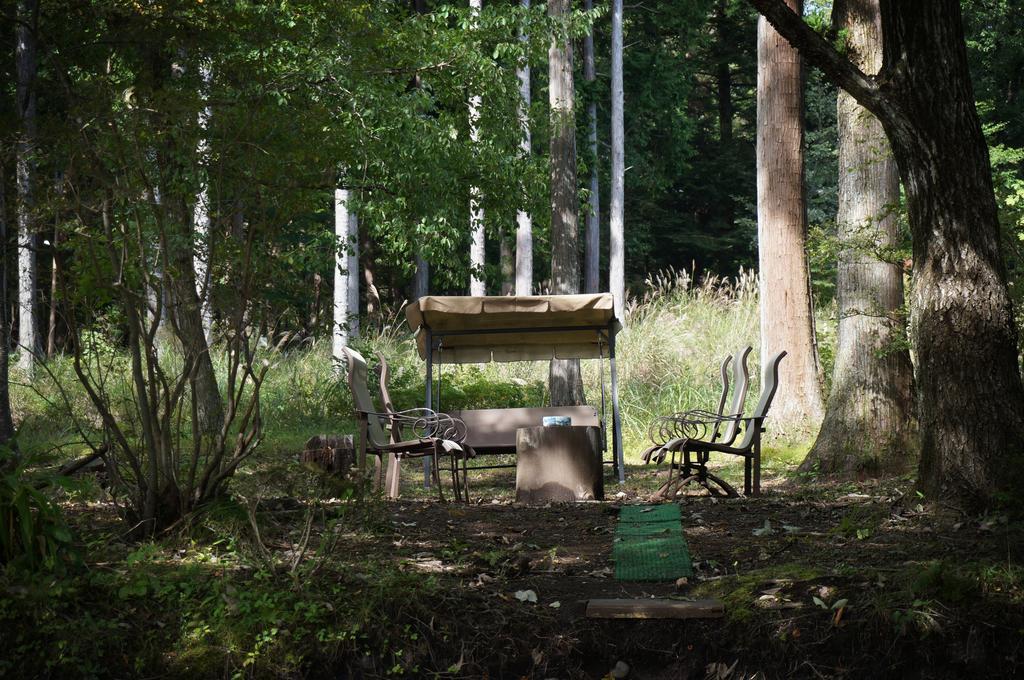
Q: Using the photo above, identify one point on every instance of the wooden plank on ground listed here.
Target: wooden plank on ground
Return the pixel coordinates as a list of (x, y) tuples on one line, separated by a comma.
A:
[(654, 608)]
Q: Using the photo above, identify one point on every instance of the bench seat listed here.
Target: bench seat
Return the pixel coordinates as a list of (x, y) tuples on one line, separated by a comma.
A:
[(493, 430)]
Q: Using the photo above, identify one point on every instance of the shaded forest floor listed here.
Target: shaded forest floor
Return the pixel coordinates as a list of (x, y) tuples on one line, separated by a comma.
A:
[(818, 580)]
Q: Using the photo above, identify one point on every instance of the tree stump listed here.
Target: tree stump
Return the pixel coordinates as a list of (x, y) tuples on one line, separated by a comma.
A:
[(559, 463), (334, 454)]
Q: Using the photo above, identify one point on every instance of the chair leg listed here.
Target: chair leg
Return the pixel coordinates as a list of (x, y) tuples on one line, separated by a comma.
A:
[(757, 465), (746, 475), (436, 473), (391, 482)]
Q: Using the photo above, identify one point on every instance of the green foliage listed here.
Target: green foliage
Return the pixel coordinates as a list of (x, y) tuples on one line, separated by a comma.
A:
[(33, 534)]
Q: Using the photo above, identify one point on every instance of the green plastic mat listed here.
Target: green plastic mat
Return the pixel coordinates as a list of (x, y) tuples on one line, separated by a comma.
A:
[(649, 544)]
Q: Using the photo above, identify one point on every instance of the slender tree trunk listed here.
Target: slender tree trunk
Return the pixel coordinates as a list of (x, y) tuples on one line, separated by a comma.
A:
[(565, 380), (970, 400), (508, 264), (477, 280), (6, 421), (51, 329), (421, 282), (353, 274), (26, 64), (524, 222), (868, 424), (592, 264), (787, 321), (725, 104), (342, 273), (617, 219), (201, 212)]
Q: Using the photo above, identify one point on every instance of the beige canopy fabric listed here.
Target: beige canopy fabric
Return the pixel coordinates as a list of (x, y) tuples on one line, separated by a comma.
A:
[(463, 322)]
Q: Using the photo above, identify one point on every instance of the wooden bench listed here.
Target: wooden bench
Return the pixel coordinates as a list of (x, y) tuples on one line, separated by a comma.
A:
[(493, 430)]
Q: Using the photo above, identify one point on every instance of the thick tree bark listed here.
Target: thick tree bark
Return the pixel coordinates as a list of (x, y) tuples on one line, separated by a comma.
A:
[(342, 274), (565, 380), (616, 236), (970, 399), (592, 263), (868, 426), (524, 222), (477, 280), (786, 316), (27, 65)]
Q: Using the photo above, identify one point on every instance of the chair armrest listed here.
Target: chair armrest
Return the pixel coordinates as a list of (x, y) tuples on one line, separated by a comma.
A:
[(691, 424), (426, 423)]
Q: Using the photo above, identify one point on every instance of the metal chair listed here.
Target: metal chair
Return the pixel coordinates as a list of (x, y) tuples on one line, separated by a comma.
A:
[(690, 453), (670, 428), (414, 433)]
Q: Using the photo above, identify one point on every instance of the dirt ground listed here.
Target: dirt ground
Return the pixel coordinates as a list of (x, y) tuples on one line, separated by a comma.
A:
[(818, 581)]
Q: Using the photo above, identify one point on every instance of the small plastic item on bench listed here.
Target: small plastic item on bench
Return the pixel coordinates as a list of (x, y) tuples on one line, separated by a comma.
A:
[(556, 421)]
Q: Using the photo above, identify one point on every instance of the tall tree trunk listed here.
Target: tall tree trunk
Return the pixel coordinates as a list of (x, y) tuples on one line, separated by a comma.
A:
[(51, 329), (970, 400), (342, 273), (421, 282), (868, 424), (524, 222), (592, 263), (787, 321), (6, 422), (353, 274), (616, 236), (187, 320), (27, 65), (201, 212), (508, 265), (565, 380), (725, 105), (477, 280)]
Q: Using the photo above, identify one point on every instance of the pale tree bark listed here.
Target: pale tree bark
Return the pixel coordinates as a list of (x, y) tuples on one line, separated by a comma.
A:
[(565, 380), (353, 274), (592, 263), (342, 274), (477, 282), (970, 400), (787, 320), (201, 211), (868, 426), (617, 201), (26, 58), (524, 222)]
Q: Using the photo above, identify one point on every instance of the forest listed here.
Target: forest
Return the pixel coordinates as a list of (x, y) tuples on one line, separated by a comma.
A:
[(808, 213)]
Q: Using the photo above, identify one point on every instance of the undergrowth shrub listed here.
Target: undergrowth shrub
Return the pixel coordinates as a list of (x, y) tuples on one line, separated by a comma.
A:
[(33, 534)]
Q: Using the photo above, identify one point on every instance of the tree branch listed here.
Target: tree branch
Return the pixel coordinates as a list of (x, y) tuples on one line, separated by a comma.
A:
[(819, 53)]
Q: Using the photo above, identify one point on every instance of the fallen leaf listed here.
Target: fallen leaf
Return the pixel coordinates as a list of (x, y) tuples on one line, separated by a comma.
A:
[(526, 596)]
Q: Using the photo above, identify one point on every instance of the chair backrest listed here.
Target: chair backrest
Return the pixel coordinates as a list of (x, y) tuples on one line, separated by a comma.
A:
[(741, 383), (361, 398), (384, 374), (724, 397), (769, 384)]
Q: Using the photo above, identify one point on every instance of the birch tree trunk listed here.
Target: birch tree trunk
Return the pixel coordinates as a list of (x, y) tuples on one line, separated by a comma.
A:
[(342, 274), (565, 381), (868, 425), (27, 66), (592, 263), (617, 251), (477, 281), (786, 316), (201, 212), (524, 222)]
